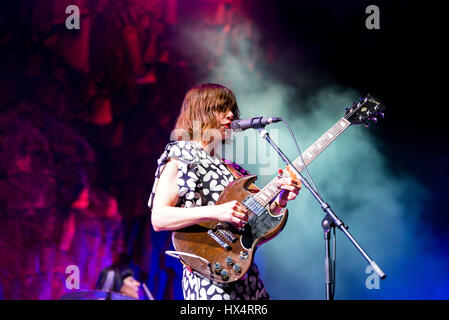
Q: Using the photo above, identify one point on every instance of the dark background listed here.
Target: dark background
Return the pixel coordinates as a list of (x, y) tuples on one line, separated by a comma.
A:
[(92, 109)]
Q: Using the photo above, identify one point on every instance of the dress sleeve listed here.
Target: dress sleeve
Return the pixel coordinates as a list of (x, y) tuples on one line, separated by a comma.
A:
[(187, 179)]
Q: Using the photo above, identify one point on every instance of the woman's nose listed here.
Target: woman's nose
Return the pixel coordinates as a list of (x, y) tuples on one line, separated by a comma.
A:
[(230, 116)]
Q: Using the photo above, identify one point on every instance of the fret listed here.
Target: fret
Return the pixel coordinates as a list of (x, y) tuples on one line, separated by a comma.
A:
[(262, 197), (270, 191), (273, 190), (267, 193), (323, 142)]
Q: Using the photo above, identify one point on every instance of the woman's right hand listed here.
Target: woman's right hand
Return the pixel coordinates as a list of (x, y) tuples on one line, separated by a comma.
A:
[(167, 217), (233, 212)]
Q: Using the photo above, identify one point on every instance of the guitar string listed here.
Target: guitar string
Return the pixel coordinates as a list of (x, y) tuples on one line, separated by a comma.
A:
[(267, 192), (274, 191)]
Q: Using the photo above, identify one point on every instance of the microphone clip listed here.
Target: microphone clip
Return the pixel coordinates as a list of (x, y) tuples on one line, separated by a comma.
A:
[(256, 123)]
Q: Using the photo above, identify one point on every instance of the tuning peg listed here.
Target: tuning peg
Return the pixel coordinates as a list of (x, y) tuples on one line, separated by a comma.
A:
[(374, 119), (382, 115)]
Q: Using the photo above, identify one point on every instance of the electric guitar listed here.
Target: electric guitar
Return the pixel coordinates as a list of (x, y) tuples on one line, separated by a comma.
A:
[(223, 253)]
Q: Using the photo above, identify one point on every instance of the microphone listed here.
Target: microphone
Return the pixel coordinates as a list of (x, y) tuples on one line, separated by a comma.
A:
[(254, 123)]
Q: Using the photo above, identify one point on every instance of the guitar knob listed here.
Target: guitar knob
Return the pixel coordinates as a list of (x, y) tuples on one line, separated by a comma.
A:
[(237, 268), (217, 267), (229, 261), (224, 275)]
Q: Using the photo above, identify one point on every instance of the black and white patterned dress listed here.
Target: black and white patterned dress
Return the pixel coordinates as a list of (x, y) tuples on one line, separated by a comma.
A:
[(201, 179)]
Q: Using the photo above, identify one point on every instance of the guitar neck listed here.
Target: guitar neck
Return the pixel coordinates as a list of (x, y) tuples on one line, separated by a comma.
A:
[(271, 190)]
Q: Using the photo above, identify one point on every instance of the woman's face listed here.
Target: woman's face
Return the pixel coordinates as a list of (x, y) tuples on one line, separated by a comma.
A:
[(224, 122)]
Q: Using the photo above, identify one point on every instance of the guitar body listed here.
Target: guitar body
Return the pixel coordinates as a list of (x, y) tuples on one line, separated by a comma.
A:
[(219, 242)]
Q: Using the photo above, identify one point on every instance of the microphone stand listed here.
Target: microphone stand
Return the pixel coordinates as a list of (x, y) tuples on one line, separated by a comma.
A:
[(328, 224), (330, 221)]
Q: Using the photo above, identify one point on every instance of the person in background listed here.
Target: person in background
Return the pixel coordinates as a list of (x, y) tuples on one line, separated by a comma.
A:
[(119, 278)]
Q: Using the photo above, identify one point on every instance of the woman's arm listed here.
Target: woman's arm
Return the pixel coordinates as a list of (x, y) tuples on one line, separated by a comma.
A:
[(165, 216)]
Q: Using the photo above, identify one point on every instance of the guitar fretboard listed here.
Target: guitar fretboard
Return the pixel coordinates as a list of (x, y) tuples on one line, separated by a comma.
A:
[(271, 190)]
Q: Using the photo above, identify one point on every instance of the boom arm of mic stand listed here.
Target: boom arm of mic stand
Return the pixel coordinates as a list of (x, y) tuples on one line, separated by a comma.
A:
[(326, 208)]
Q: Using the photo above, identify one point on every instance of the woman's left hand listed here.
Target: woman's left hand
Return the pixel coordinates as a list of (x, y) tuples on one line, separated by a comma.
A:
[(290, 189)]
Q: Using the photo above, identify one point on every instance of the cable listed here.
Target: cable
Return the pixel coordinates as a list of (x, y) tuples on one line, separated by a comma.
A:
[(334, 255), (300, 155), (176, 254)]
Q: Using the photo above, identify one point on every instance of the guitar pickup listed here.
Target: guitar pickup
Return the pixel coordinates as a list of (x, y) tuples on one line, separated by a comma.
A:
[(252, 205), (218, 240)]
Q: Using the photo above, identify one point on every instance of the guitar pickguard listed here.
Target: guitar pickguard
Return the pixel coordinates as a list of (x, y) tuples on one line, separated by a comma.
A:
[(258, 226)]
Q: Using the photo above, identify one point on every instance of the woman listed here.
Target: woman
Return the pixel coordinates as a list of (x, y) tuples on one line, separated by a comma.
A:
[(190, 177)]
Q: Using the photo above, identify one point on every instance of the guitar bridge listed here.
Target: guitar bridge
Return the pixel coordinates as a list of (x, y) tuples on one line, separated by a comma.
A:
[(221, 242), (226, 233)]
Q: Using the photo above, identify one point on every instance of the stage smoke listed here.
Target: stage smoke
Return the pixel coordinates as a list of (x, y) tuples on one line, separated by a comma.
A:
[(384, 210)]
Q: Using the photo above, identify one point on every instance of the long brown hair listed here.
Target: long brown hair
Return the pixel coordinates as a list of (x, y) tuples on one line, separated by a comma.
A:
[(201, 106)]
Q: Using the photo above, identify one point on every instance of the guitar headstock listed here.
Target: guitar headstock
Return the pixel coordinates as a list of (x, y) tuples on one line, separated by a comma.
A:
[(366, 111)]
